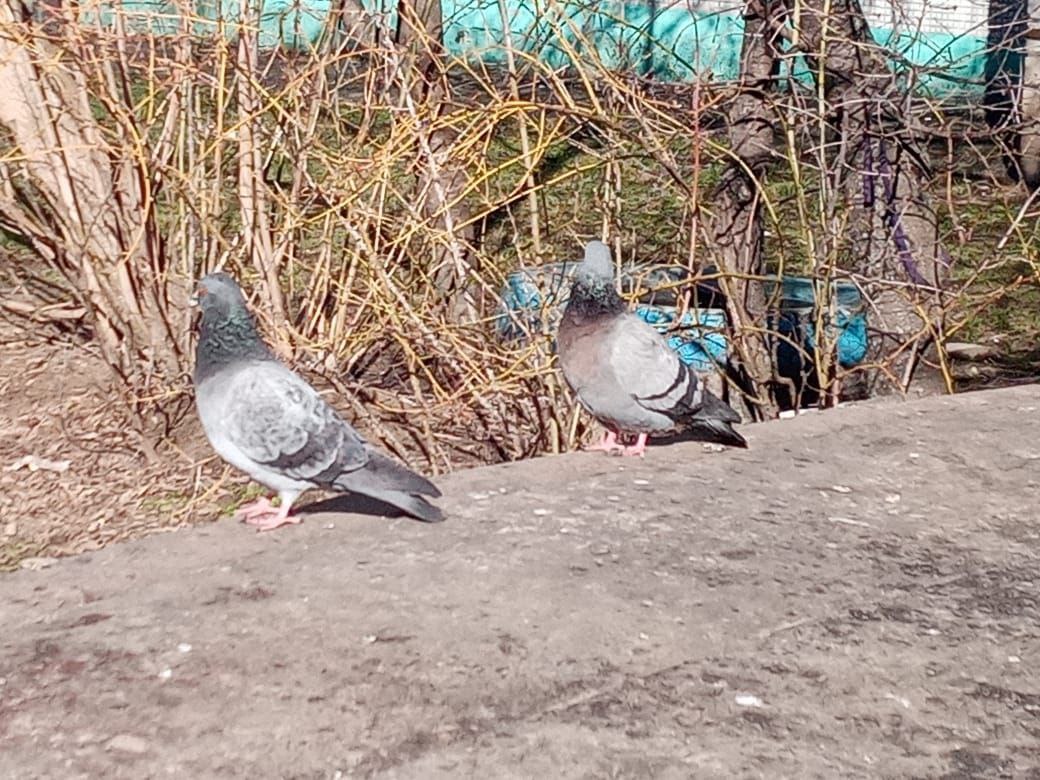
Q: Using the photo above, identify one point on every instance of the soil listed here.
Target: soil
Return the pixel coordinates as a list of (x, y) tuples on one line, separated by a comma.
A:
[(856, 595), (98, 482)]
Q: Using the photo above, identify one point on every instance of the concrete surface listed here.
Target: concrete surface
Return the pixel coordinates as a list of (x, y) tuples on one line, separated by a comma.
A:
[(855, 596)]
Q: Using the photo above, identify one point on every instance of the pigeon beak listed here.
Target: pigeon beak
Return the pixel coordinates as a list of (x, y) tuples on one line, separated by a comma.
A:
[(197, 296)]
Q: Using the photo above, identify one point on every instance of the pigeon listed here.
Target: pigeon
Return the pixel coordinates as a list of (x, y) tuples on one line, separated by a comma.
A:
[(625, 374), (266, 420)]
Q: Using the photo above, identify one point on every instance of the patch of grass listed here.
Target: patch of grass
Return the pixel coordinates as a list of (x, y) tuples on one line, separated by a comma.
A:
[(242, 494), (14, 551)]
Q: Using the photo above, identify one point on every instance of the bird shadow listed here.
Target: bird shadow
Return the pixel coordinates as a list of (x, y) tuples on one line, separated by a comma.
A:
[(683, 437), (353, 504)]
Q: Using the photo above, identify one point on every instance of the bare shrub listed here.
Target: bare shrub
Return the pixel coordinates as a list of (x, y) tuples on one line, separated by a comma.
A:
[(374, 191)]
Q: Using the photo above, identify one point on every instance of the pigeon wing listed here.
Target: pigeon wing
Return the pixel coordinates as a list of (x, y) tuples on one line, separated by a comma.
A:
[(279, 421), (651, 372)]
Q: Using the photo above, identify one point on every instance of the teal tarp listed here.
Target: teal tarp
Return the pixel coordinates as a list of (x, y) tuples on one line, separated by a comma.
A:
[(670, 44)]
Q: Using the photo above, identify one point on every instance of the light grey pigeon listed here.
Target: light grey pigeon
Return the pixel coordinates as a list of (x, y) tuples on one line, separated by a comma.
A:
[(266, 420), (625, 374)]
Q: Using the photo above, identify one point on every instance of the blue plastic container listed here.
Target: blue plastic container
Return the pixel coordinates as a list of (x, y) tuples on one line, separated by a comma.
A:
[(532, 300), (797, 322), (700, 338)]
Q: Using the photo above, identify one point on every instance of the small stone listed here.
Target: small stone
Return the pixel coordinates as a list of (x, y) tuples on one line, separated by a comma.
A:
[(841, 489), (962, 350), (1014, 659), (166, 674), (329, 526), (848, 521), (640, 482), (10, 529), (127, 743), (747, 700), (37, 563), (893, 498), (183, 647)]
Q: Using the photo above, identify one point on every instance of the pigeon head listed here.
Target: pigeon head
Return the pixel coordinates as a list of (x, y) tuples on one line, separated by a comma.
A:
[(598, 266), (228, 332), (219, 294), (593, 293)]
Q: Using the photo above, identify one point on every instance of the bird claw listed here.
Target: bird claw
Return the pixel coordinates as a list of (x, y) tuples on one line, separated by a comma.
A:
[(639, 448), (262, 506), (614, 449), (266, 517), (270, 524), (609, 445)]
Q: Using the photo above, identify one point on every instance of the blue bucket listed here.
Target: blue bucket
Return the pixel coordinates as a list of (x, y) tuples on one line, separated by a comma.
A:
[(699, 338), (797, 323), (532, 300)]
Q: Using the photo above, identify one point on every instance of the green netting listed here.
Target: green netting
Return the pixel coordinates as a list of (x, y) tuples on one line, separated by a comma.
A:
[(670, 44)]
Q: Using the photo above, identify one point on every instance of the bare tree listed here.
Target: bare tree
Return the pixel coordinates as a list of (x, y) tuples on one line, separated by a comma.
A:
[(88, 214), (864, 154), (442, 181), (734, 223)]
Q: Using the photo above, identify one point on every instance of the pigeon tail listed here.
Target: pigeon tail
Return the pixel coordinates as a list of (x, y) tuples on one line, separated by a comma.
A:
[(413, 505), (390, 482), (717, 431), (714, 408), (384, 473), (713, 421)]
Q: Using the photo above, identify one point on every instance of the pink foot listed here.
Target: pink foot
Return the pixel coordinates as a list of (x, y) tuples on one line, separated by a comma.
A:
[(262, 506), (275, 520), (265, 517), (609, 444), (639, 448)]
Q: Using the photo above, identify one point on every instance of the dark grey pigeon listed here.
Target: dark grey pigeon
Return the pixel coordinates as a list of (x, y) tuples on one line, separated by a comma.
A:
[(269, 422), (625, 374)]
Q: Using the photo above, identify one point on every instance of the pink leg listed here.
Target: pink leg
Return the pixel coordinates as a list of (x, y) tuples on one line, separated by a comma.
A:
[(639, 448), (609, 444)]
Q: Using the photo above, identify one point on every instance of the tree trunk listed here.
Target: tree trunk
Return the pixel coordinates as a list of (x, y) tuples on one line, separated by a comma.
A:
[(89, 216), (893, 236), (1029, 135), (442, 180), (734, 222)]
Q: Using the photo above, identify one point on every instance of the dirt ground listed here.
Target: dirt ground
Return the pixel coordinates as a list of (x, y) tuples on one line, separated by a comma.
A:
[(857, 595), (65, 445)]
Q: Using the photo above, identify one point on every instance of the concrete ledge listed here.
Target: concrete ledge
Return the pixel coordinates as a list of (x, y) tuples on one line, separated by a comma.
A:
[(857, 595)]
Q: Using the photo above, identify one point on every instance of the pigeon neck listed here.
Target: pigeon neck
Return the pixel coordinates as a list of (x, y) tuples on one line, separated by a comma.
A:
[(225, 338), (594, 298)]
